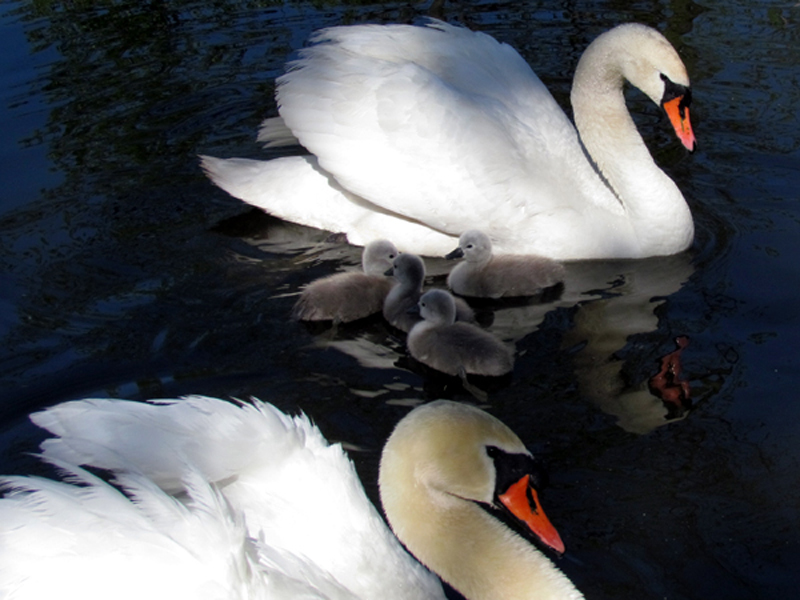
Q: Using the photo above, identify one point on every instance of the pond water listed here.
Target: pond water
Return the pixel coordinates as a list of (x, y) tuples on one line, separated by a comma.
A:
[(125, 273)]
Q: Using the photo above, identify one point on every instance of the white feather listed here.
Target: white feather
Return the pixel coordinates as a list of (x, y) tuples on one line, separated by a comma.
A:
[(421, 133), (221, 500)]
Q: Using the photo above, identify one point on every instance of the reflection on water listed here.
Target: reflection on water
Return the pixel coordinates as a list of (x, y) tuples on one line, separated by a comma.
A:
[(667, 384), (609, 302), (603, 327), (130, 275)]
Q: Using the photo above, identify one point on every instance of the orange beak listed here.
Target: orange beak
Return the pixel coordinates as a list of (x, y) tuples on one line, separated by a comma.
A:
[(679, 117), (522, 501)]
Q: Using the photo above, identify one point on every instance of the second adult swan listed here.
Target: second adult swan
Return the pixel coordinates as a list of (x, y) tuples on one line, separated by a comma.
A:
[(418, 134)]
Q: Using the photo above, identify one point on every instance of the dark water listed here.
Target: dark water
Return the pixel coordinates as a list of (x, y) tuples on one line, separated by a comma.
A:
[(123, 272)]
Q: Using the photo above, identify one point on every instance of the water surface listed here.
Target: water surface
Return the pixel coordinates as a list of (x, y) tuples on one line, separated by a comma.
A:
[(124, 273)]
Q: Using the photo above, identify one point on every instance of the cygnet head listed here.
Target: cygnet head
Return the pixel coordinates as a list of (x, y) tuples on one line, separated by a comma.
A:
[(473, 245), (409, 270), (377, 257), (438, 307), (476, 246)]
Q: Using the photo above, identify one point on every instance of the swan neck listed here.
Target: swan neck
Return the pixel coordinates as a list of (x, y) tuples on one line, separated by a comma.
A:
[(483, 559), (609, 135), (605, 126)]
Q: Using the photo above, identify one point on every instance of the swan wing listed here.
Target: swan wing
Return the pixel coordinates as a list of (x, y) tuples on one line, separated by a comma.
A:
[(299, 495), (440, 124), (86, 536), (296, 189)]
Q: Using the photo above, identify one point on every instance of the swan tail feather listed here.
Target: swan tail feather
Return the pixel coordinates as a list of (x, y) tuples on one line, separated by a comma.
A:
[(296, 189), (274, 133), (161, 439)]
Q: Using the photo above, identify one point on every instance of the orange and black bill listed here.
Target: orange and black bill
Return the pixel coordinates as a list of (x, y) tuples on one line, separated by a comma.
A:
[(676, 101), (522, 500)]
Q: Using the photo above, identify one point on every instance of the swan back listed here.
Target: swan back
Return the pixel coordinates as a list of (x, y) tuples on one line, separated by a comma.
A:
[(300, 497), (467, 119), (441, 465)]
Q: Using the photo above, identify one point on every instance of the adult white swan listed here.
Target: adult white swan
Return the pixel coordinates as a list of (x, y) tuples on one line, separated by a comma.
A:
[(228, 500), (418, 134)]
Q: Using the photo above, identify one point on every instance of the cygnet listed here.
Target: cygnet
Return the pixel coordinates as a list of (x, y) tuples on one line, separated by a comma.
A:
[(346, 297), (482, 275), (409, 273), (455, 348)]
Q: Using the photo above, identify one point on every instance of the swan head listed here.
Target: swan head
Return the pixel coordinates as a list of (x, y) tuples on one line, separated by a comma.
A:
[(447, 467), (408, 270), (438, 307), (644, 57), (377, 257), (473, 245)]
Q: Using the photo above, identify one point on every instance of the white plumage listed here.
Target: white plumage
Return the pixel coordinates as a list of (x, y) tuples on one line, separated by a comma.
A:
[(217, 500), (420, 133), (226, 501)]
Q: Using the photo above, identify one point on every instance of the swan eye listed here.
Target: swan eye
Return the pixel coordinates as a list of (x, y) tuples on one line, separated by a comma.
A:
[(519, 478), (674, 90), (509, 468)]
